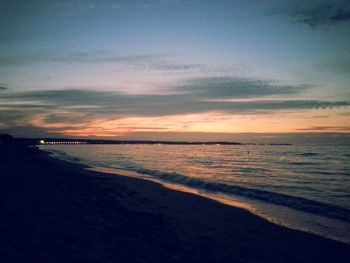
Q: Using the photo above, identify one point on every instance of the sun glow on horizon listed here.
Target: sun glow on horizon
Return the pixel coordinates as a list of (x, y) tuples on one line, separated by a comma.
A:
[(213, 122)]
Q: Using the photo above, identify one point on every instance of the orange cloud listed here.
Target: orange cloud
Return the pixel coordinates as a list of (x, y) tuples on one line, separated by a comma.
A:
[(297, 121)]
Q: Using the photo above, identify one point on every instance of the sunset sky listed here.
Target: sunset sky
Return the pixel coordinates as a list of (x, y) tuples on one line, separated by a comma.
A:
[(174, 69)]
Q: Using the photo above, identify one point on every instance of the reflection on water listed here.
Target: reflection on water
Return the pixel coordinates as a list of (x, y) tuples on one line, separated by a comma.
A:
[(290, 185)]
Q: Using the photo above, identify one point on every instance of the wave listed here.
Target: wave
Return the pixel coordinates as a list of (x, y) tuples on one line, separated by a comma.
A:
[(62, 155), (294, 202), (298, 203), (307, 154), (328, 173), (301, 163)]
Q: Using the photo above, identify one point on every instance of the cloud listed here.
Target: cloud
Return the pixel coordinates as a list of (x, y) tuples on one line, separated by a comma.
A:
[(30, 131), (72, 109), (224, 87), (138, 62), (318, 13), (116, 104), (76, 57), (190, 96), (161, 65), (66, 117), (14, 117), (325, 128)]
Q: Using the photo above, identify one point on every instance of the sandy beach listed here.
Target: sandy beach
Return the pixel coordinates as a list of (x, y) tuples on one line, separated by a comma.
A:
[(55, 211)]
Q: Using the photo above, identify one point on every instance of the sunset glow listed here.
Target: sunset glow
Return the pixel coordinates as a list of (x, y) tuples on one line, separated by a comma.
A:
[(101, 69)]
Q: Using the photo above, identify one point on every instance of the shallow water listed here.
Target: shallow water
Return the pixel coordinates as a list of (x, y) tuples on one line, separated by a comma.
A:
[(302, 187)]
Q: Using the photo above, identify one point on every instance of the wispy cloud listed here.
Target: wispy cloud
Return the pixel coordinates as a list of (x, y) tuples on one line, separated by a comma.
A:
[(14, 117), (76, 57), (228, 87), (99, 103), (192, 95), (59, 109), (325, 128), (170, 66), (27, 130), (138, 62), (318, 13)]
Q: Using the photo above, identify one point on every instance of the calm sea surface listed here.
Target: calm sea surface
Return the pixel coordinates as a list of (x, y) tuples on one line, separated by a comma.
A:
[(302, 187)]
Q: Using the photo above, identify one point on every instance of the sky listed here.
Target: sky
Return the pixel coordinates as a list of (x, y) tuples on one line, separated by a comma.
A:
[(175, 70)]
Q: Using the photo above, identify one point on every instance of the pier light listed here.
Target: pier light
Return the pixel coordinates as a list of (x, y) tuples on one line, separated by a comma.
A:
[(42, 141)]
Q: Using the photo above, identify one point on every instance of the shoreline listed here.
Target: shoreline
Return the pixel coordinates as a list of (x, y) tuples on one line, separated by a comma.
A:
[(317, 222), (55, 211)]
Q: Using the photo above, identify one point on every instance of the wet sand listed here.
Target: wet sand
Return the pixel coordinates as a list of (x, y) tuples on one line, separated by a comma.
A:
[(55, 211)]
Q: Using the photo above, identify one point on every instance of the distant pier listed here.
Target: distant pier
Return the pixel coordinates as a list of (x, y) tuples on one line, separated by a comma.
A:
[(62, 142)]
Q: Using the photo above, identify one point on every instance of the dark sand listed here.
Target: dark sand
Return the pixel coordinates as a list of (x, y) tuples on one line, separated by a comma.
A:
[(54, 211)]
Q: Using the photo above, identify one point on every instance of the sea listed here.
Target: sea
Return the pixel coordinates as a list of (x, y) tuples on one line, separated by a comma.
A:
[(301, 187)]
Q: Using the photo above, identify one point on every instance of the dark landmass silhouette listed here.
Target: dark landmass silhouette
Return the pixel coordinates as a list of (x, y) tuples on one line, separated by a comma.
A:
[(43, 141), (6, 139)]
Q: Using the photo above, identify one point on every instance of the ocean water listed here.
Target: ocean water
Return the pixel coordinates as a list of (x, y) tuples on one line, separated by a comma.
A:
[(301, 187)]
